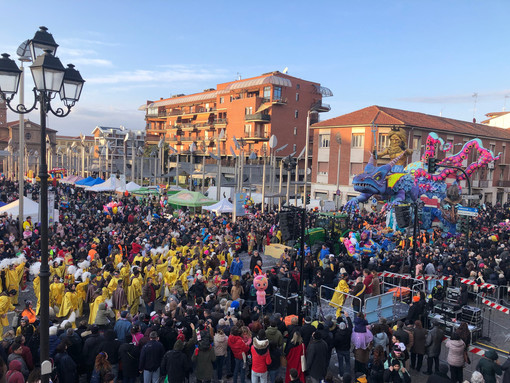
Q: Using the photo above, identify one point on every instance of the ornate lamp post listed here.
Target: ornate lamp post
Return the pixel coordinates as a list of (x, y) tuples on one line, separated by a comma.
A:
[(50, 78)]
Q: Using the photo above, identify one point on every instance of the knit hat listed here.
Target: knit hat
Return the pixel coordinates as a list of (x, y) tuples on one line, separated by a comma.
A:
[(53, 330)]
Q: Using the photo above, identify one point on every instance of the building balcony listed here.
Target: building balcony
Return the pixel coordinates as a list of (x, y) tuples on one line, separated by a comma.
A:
[(503, 184), (279, 101), (258, 117), (255, 137), (484, 184), (219, 121), (320, 106)]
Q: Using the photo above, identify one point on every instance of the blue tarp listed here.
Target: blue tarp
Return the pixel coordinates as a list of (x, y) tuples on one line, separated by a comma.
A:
[(84, 181), (97, 181), (2, 204)]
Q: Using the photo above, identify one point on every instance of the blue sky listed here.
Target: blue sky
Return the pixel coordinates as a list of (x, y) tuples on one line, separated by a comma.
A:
[(426, 56)]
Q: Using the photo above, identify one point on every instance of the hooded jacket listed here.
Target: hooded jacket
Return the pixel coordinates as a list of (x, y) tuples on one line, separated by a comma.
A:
[(175, 364), (237, 346), (14, 374), (103, 314), (260, 355), (204, 357), (456, 350)]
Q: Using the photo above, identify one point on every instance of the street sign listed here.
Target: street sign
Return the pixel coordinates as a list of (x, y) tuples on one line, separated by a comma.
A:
[(467, 211), (475, 196)]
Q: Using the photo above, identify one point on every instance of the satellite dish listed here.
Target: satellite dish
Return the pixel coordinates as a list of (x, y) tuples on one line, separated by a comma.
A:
[(23, 51), (280, 149), (238, 147), (233, 152), (286, 70), (273, 141), (302, 153), (308, 171)]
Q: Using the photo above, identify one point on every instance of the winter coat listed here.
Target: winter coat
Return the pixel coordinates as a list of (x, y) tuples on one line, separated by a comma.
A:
[(103, 314), (433, 342), (66, 368), (275, 336), (122, 330), (151, 356), (23, 365), (488, 367), (317, 361), (14, 374), (420, 338), (342, 338), (54, 342), (129, 355), (237, 345), (91, 349), (506, 368), (456, 349), (396, 376), (220, 344), (260, 356), (381, 339), (111, 347), (204, 357), (175, 364)]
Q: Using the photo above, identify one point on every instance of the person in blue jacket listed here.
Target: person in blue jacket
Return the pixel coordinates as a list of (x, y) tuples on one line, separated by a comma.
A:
[(236, 268)]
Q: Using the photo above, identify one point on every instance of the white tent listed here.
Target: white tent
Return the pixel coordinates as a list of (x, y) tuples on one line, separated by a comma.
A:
[(131, 186), (111, 184), (30, 208), (223, 206)]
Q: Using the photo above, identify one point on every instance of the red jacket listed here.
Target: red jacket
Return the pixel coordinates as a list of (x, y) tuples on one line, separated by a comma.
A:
[(369, 279), (259, 362), (237, 345)]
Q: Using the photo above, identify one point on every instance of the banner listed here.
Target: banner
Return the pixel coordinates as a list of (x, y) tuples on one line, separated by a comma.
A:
[(240, 201)]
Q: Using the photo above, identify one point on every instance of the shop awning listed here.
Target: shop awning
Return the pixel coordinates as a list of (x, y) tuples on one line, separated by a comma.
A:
[(263, 107)]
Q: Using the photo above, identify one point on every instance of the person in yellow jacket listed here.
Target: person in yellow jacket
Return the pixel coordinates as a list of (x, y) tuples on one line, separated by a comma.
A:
[(69, 305), (114, 282), (81, 291), (94, 306), (134, 292), (5, 307), (125, 274), (13, 275), (341, 289), (57, 291)]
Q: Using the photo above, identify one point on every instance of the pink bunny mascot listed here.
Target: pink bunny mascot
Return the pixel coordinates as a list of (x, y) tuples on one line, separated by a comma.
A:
[(260, 284)]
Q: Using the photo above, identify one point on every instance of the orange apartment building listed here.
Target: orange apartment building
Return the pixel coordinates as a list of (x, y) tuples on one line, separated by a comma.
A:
[(353, 135), (251, 109)]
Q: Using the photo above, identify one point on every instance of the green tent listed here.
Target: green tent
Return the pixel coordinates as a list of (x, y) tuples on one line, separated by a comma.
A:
[(190, 199)]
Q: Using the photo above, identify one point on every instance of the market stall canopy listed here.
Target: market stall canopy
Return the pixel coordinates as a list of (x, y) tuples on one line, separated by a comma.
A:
[(85, 181), (30, 208), (110, 185), (132, 186), (224, 206), (190, 199)]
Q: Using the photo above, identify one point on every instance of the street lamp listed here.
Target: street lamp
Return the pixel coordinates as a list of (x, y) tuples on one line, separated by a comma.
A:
[(50, 78)]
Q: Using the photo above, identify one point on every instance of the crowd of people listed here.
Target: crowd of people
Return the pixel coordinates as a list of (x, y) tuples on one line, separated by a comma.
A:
[(145, 292)]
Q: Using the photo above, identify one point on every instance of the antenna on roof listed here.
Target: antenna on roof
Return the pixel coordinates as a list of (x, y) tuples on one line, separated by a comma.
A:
[(504, 106), (475, 96), (238, 76)]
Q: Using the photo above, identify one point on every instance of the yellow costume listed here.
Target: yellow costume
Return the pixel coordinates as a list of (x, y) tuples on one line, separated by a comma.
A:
[(95, 305), (37, 291), (339, 296), (81, 291), (112, 286), (69, 305), (134, 294), (13, 280), (5, 307), (56, 294)]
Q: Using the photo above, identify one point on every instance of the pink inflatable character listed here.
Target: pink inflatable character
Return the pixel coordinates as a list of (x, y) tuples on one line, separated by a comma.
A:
[(260, 284)]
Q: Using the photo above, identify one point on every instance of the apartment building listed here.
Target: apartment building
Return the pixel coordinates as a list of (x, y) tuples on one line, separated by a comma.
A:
[(252, 110), (343, 145)]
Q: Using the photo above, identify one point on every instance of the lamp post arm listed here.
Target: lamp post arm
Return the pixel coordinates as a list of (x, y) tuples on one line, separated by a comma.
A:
[(59, 112), (20, 108)]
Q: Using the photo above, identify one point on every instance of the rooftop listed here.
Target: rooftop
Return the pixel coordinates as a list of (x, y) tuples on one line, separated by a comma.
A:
[(379, 115)]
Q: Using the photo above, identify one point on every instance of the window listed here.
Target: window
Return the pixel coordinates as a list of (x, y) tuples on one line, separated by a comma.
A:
[(323, 168), (267, 92), (358, 140), (492, 147), (248, 110), (356, 168), (417, 144), (295, 131), (298, 86), (296, 113), (222, 100), (266, 131), (247, 130), (264, 147), (501, 175), (294, 147), (297, 96), (503, 154), (277, 93), (490, 175), (324, 140), (383, 141)]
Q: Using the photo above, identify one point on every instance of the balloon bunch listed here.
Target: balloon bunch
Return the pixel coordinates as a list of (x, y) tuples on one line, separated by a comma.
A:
[(248, 202), (112, 208)]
